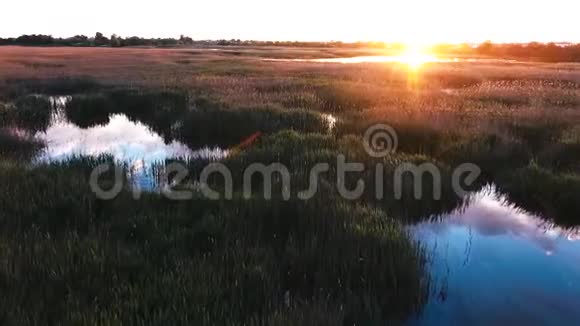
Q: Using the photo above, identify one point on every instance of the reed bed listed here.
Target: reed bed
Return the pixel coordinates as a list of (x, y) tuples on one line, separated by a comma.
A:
[(67, 257)]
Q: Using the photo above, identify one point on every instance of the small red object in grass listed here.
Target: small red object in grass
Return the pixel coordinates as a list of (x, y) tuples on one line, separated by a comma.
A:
[(250, 140)]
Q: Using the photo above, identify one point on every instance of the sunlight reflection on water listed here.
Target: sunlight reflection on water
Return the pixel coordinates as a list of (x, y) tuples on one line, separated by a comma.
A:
[(390, 59)]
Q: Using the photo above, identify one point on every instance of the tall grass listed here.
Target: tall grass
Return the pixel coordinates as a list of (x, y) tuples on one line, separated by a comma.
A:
[(71, 258), (222, 126), (18, 147), (158, 109), (31, 112), (59, 86), (300, 153), (4, 114), (550, 194), (89, 110)]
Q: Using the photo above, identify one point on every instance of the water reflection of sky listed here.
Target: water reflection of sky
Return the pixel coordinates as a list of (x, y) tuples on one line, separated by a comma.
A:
[(125, 140), (501, 266)]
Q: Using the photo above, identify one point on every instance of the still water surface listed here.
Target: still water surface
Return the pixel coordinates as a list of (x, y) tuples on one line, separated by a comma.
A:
[(495, 264), (391, 59), (127, 141)]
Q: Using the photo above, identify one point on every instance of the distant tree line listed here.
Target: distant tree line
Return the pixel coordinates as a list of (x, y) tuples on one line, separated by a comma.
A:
[(98, 40), (116, 41), (530, 51), (534, 51)]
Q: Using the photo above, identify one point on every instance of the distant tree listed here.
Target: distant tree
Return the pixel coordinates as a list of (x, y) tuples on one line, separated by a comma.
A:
[(77, 40), (100, 40), (132, 41), (115, 41), (34, 40), (185, 40), (485, 48)]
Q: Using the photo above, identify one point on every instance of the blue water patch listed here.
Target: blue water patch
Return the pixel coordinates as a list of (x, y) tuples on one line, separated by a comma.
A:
[(127, 141), (495, 264)]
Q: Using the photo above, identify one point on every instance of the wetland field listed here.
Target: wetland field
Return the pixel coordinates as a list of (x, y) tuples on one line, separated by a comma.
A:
[(408, 250)]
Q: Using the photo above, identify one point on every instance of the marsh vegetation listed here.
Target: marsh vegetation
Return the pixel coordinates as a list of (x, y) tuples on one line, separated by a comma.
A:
[(68, 257)]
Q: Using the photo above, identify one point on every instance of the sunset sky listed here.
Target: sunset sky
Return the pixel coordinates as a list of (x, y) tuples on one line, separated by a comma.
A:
[(310, 20)]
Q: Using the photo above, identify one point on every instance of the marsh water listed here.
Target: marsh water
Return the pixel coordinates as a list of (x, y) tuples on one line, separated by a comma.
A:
[(392, 59), (495, 264), (128, 141), (491, 263)]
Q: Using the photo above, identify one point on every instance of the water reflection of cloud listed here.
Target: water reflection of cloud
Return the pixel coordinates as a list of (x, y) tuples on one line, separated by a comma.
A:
[(122, 138), (490, 214)]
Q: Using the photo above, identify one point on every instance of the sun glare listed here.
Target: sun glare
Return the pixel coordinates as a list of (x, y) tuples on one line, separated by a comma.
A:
[(415, 56)]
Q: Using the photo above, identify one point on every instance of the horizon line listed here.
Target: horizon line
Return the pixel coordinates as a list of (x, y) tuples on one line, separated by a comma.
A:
[(385, 42)]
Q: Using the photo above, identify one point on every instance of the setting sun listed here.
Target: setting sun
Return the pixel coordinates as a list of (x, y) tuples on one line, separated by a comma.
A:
[(414, 56)]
